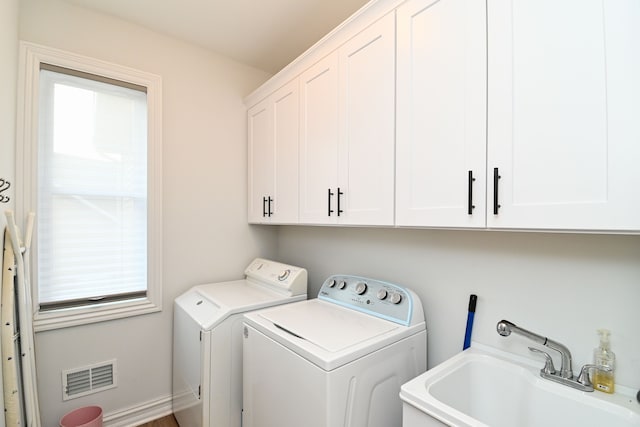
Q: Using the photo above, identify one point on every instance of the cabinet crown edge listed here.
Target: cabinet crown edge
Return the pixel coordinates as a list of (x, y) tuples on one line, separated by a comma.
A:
[(361, 19)]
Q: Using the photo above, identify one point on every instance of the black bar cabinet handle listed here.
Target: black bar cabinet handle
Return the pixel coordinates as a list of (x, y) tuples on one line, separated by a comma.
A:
[(264, 209), (329, 194), (470, 206), (269, 211), (340, 193), (496, 177)]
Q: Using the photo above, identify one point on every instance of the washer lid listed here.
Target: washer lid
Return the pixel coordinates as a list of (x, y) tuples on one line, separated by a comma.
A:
[(327, 326)]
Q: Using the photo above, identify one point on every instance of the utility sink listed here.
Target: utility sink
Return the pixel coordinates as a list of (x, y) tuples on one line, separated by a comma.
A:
[(483, 386)]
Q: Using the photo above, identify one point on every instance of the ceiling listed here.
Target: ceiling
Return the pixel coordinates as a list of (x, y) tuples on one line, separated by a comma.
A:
[(265, 34)]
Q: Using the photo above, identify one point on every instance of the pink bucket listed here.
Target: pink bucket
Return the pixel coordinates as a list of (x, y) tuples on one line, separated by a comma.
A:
[(89, 416)]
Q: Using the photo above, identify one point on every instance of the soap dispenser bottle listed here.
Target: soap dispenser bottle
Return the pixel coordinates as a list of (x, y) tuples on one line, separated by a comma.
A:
[(603, 356)]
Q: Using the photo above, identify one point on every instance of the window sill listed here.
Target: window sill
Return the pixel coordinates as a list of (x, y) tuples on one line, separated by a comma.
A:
[(64, 318)]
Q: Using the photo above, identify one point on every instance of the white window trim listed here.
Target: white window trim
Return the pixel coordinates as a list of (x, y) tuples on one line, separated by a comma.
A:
[(31, 55)]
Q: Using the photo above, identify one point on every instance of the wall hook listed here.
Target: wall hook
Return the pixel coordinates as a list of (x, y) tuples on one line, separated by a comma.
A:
[(4, 186)]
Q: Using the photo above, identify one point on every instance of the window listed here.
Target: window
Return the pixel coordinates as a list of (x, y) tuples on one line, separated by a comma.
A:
[(91, 168)]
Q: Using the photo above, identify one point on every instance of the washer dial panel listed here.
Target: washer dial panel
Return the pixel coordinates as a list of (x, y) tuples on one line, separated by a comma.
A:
[(375, 297)]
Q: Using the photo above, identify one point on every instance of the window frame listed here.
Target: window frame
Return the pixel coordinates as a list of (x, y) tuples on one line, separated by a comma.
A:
[(31, 56)]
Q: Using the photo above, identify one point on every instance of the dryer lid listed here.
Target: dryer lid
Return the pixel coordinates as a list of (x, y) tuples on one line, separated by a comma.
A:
[(327, 326), (212, 303), (239, 295)]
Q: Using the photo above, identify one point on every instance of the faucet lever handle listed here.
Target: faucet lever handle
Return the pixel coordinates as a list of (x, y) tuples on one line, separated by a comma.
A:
[(584, 378), (548, 369)]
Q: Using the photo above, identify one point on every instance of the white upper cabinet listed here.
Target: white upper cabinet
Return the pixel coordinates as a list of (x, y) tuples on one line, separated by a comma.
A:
[(564, 114), (261, 161), (498, 114), (367, 130), (319, 140), (347, 131), (273, 134), (441, 113)]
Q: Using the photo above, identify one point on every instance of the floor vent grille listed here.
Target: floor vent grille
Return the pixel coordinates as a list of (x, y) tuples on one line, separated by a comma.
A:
[(91, 379)]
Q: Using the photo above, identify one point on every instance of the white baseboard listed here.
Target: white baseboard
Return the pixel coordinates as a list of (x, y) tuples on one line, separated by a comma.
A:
[(140, 414)]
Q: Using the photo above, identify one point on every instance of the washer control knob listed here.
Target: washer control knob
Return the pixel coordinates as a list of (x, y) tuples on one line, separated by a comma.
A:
[(342, 284), (361, 288), (382, 294), (284, 274), (331, 283), (396, 298)]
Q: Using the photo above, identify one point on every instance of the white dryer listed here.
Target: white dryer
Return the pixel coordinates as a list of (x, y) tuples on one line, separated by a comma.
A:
[(335, 361), (207, 340)]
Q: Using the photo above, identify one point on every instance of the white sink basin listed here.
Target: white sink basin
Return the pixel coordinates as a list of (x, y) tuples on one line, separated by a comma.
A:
[(487, 387)]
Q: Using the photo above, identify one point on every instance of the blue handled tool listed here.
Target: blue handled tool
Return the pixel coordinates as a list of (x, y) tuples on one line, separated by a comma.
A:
[(472, 312)]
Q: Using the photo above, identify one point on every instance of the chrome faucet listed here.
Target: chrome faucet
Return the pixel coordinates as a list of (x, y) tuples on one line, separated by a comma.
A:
[(505, 328), (565, 375)]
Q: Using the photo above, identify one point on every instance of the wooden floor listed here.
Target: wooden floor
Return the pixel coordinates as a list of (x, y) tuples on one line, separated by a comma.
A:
[(168, 421)]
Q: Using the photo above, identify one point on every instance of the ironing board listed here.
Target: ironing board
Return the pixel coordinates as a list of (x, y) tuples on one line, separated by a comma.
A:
[(9, 339), (27, 371)]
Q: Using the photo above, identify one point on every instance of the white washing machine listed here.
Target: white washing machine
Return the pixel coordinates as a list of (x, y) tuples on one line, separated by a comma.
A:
[(335, 361), (207, 340)]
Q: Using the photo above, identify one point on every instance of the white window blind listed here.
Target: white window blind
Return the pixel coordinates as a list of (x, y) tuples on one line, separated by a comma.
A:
[(92, 189)]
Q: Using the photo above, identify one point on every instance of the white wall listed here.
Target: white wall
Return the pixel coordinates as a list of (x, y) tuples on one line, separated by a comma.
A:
[(206, 236), (8, 76), (564, 286)]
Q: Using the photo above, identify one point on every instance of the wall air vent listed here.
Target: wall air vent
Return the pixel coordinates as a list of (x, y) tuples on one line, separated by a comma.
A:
[(86, 380)]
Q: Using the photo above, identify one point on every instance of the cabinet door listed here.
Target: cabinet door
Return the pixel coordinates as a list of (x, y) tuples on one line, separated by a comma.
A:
[(261, 160), (273, 157), (366, 150), (286, 116), (563, 127), (319, 141), (441, 113)]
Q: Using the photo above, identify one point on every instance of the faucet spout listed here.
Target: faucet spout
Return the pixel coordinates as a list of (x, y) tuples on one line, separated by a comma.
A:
[(505, 328)]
